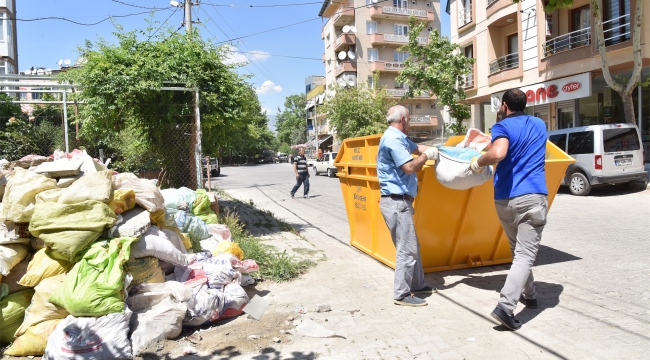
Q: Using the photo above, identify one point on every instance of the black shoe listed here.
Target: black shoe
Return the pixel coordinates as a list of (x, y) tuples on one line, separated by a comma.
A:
[(505, 319), (529, 303)]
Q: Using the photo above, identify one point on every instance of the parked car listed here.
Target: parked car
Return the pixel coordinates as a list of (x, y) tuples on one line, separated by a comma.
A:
[(215, 168), (282, 157), (267, 157), (604, 154), (326, 164)]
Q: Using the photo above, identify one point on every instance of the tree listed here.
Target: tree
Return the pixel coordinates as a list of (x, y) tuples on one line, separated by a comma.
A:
[(358, 110), (438, 68), (624, 87), (291, 122)]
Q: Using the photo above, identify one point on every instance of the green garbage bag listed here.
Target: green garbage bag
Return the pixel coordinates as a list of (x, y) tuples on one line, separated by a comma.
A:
[(201, 208), (94, 287), (12, 312), (67, 229)]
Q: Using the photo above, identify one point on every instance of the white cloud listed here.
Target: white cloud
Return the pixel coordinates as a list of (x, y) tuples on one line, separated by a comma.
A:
[(234, 55), (268, 87), (267, 111)]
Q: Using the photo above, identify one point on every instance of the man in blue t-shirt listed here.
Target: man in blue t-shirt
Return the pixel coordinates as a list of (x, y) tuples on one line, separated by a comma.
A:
[(398, 182), (520, 197)]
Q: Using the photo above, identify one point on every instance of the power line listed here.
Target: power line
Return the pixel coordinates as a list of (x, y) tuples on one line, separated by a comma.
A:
[(286, 56), (163, 24), (260, 6), (135, 6), (90, 24)]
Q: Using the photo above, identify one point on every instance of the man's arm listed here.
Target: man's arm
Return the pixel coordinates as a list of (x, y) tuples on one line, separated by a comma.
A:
[(497, 152), (421, 149), (412, 166), (295, 168)]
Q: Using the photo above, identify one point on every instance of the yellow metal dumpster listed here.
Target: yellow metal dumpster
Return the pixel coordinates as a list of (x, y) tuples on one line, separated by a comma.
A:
[(456, 228)]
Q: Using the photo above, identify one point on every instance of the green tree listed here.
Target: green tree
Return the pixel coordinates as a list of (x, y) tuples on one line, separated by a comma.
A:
[(438, 68), (358, 110), (623, 86), (291, 122)]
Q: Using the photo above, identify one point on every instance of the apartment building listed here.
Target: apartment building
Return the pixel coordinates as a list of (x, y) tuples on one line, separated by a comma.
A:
[(362, 37), (553, 58), (8, 43), (318, 129)]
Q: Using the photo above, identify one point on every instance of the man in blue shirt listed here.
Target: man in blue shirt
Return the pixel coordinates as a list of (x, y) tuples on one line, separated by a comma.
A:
[(396, 170), (520, 197)]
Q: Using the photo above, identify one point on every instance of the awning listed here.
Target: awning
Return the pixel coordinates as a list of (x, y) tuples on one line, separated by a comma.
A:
[(310, 104), (324, 139)]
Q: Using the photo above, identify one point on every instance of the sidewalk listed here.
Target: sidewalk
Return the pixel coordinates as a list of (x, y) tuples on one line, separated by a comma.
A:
[(593, 297)]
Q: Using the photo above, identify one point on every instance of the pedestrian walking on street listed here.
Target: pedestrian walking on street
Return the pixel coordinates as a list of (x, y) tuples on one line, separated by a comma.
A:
[(520, 197), (396, 170), (302, 174)]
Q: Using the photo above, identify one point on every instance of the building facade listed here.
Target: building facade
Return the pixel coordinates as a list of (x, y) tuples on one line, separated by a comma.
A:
[(8, 43), (318, 130), (363, 37), (553, 58)]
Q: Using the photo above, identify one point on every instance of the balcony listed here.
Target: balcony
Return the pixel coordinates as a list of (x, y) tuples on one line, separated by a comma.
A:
[(343, 16), (464, 17), (617, 30), (392, 39), (401, 92), (426, 134), (572, 40), (423, 120), (398, 13), (346, 66), (490, 2), (344, 40), (468, 81), (386, 66), (509, 61)]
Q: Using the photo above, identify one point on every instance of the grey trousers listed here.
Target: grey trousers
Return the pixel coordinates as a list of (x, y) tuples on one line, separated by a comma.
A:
[(523, 219), (409, 274)]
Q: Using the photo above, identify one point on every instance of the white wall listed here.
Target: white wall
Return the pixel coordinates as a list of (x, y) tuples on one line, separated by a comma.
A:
[(529, 34)]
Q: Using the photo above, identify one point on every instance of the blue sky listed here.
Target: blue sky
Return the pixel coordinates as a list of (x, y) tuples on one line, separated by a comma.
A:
[(43, 43)]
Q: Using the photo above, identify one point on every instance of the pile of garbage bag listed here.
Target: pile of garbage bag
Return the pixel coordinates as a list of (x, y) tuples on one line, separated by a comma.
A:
[(99, 265)]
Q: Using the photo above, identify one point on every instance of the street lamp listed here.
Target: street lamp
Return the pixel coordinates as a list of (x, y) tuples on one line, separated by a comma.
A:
[(174, 3)]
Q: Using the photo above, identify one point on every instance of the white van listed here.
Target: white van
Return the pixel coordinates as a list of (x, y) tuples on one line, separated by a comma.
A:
[(604, 154), (326, 164)]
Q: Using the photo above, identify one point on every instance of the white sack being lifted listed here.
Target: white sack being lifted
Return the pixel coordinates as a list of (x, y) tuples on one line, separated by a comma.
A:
[(452, 168)]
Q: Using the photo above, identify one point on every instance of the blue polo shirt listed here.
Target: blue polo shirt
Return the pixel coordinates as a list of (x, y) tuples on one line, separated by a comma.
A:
[(395, 150), (522, 171)]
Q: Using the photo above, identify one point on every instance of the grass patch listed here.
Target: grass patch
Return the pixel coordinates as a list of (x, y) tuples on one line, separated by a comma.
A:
[(304, 251), (274, 265)]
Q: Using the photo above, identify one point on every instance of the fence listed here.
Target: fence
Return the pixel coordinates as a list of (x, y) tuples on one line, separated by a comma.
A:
[(165, 150)]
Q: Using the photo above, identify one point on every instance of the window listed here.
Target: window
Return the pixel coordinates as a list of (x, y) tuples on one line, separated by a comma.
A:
[(620, 140), (369, 2), (401, 3), (2, 28), (581, 142), (371, 82), (3, 67), (400, 56), (616, 21), (418, 106), (469, 51), (373, 54), (327, 40), (400, 29), (559, 141), (10, 32), (400, 85), (371, 27), (581, 18)]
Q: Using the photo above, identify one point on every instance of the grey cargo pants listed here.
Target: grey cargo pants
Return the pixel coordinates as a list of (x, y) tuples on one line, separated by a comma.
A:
[(409, 274), (523, 218)]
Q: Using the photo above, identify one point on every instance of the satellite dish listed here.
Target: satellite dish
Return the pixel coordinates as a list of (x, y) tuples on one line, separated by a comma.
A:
[(346, 29), (351, 82), (174, 3), (351, 55), (34, 72), (341, 83), (48, 71), (40, 72), (60, 62), (353, 29), (342, 55), (374, 1), (67, 61)]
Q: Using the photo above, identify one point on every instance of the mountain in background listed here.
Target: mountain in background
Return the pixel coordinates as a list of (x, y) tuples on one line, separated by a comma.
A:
[(271, 123)]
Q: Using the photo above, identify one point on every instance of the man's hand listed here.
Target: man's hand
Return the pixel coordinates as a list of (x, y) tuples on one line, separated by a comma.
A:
[(297, 175), (473, 165), (431, 153)]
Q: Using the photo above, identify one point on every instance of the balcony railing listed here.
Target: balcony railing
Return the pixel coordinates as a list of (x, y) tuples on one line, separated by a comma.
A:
[(402, 92), (572, 40), (403, 38), (425, 134), (509, 61), (616, 30), (468, 81), (464, 17), (402, 11), (420, 120), (490, 2)]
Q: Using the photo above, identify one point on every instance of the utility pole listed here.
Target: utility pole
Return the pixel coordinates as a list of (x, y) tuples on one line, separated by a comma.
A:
[(188, 16)]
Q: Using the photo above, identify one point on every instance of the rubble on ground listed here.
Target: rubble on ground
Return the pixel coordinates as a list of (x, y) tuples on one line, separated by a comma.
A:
[(98, 264)]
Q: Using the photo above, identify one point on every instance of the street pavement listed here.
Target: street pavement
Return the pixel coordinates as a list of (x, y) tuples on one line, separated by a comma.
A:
[(592, 274)]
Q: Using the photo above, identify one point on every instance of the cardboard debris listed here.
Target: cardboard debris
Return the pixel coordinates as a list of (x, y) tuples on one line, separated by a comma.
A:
[(59, 168), (256, 307)]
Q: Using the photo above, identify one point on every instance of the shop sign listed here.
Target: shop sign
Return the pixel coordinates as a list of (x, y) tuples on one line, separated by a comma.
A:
[(568, 88)]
